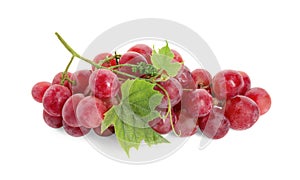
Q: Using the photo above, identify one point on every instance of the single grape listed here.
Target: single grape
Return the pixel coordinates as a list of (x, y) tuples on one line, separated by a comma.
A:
[(130, 58), (90, 112), (109, 131), (52, 121), (69, 110), (57, 79), (80, 82), (261, 97), (144, 50), (185, 78), (196, 103), (75, 131), (202, 78), (104, 83), (242, 112), (247, 83), (215, 125), (226, 84), (177, 56), (102, 57), (38, 90), (55, 98), (174, 89), (186, 125), (163, 126)]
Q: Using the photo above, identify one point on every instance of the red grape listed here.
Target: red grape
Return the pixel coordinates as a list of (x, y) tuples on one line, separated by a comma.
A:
[(130, 58), (90, 112), (185, 78), (177, 56), (202, 78), (69, 110), (57, 78), (104, 83), (38, 90), (174, 89), (186, 125), (55, 98), (81, 82), (261, 97), (109, 131), (226, 84), (215, 125), (144, 50), (52, 121), (247, 83), (197, 102), (242, 112), (75, 131), (163, 126), (101, 57)]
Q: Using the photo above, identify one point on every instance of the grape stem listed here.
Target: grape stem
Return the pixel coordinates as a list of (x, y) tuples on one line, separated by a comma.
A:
[(65, 73)]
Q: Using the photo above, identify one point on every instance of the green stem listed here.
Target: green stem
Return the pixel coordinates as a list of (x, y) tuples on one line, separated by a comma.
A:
[(65, 73), (122, 65)]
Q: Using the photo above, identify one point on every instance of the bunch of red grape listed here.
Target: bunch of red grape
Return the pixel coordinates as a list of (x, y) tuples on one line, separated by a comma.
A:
[(78, 101)]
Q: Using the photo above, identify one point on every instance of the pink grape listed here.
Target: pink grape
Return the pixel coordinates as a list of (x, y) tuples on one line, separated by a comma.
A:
[(144, 50), (215, 125), (163, 126), (186, 125), (177, 56), (185, 78), (104, 83), (54, 99), (101, 57), (202, 78), (38, 90), (242, 112), (52, 121), (81, 82), (57, 78), (75, 131), (174, 89), (109, 131), (69, 110), (261, 97), (226, 84), (247, 83), (90, 112)]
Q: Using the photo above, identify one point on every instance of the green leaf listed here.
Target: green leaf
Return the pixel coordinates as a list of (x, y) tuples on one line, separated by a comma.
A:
[(130, 118), (163, 60)]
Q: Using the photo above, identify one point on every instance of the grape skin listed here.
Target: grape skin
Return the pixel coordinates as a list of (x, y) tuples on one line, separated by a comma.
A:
[(242, 112), (186, 125), (144, 50), (69, 110), (101, 57), (163, 126), (75, 131), (52, 121), (261, 97), (177, 56), (55, 98), (247, 83), (202, 78), (90, 112), (109, 131), (185, 78), (38, 90), (81, 82), (57, 79)]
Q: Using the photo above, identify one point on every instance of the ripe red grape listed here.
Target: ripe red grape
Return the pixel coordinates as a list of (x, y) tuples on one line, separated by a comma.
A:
[(196, 102), (69, 110), (75, 131), (177, 56), (101, 57), (226, 84), (202, 78), (54, 99), (174, 89), (242, 112), (109, 131), (52, 121), (90, 112), (57, 78), (144, 50), (104, 83), (185, 78), (215, 125), (247, 83), (81, 82), (261, 97), (130, 58), (186, 125), (163, 126), (38, 90)]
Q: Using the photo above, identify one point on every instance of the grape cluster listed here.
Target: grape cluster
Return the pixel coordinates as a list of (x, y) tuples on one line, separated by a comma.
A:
[(191, 100)]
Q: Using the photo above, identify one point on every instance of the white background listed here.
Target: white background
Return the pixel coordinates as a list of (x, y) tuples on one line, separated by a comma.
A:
[(261, 38)]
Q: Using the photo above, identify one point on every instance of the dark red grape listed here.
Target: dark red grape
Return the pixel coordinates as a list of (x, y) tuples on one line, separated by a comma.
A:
[(144, 50), (75, 131), (109, 131), (101, 57), (177, 56), (38, 90), (247, 83), (52, 121), (57, 79), (202, 78), (261, 97), (163, 126)]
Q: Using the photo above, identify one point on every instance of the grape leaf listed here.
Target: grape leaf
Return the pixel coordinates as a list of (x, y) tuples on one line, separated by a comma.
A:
[(163, 60), (130, 118)]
